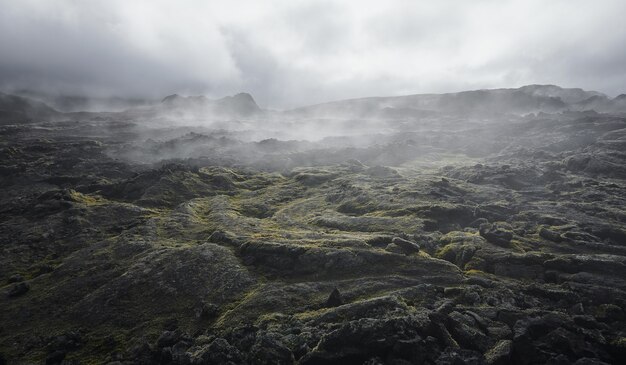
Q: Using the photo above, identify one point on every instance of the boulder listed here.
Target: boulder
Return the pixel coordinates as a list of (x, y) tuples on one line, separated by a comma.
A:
[(16, 278), (500, 354), (407, 246), (496, 234), (219, 351), (550, 235), (334, 299), (268, 349), (168, 339), (18, 289)]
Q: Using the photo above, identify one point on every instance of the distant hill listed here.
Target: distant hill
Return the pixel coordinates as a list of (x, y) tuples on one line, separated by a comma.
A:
[(239, 105), (523, 100), (80, 103), (567, 95), (15, 108)]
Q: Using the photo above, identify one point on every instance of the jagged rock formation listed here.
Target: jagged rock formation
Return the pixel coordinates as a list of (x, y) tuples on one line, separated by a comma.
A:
[(240, 105)]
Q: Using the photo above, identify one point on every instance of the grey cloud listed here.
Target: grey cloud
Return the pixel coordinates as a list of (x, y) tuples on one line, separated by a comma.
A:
[(288, 54)]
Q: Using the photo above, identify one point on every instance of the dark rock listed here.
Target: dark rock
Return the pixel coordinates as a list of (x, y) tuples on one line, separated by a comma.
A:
[(142, 353), (430, 225), (496, 234), (16, 278), (577, 309), (355, 342), (410, 351), (66, 342), (207, 311), (334, 299), (466, 334), (179, 353), (452, 292), (407, 246), (550, 235), (458, 253), (220, 237), (168, 338), (165, 356), (587, 263), (170, 324), (269, 350), (392, 247), (56, 357), (609, 313), (588, 321), (551, 276), (478, 222), (518, 270), (382, 171), (558, 360), (580, 236), (379, 241), (481, 281), (374, 361), (470, 297), (612, 234), (460, 357), (537, 339), (219, 351), (589, 361), (18, 289), (500, 354)]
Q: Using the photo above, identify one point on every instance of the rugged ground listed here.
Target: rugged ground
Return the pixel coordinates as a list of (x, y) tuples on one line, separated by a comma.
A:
[(437, 239)]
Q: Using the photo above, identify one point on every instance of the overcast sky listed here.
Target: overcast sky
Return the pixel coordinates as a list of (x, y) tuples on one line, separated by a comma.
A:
[(291, 53)]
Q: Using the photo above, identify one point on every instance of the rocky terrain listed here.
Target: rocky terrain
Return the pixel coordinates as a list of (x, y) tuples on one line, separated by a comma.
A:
[(485, 227)]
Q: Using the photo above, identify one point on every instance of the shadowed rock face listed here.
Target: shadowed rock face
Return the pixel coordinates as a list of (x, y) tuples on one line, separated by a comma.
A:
[(240, 105), (439, 239)]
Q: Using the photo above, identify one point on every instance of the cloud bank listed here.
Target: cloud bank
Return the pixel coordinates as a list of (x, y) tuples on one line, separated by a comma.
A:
[(289, 53)]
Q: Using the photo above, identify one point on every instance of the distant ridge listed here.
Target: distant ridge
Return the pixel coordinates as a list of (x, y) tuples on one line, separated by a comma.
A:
[(523, 100)]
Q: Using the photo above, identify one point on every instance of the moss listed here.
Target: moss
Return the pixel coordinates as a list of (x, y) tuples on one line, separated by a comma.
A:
[(447, 252), (476, 263), (620, 343), (85, 199)]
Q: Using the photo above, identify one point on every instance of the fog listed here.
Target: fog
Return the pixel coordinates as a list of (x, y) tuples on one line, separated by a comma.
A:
[(288, 55), (278, 85)]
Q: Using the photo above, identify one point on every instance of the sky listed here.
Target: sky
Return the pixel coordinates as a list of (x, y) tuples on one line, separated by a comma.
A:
[(294, 53)]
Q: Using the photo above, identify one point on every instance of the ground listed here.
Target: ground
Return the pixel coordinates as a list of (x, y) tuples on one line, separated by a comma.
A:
[(503, 241)]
